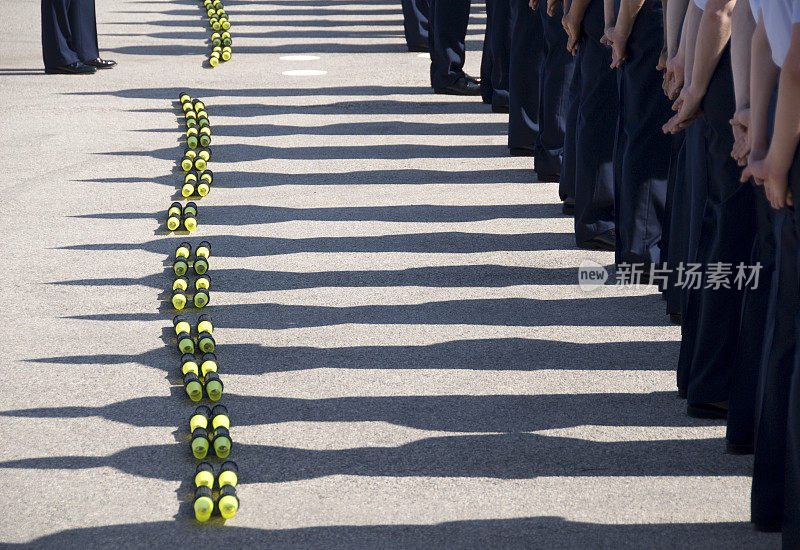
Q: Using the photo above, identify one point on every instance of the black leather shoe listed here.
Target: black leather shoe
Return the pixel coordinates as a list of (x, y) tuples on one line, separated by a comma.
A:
[(100, 63), (418, 49), (568, 207), (548, 178), (521, 151), (72, 68), (733, 448), (462, 86), (606, 240), (499, 108), (708, 410), (675, 318), (474, 79)]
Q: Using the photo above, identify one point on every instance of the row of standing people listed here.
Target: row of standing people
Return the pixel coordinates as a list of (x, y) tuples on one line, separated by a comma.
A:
[(672, 128)]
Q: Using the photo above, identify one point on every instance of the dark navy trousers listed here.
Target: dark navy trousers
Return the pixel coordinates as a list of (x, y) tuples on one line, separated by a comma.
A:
[(447, 33), (747, 365), (496, 52), (689, 226), (595, 129), (778, 366), (727, 234), (415, 23), (69, 32), (566, 181), (540, 73), (777, 423), (642, 150)]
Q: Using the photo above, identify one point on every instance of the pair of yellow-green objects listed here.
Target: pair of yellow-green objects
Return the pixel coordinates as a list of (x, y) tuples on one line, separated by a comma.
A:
[(205, 422), (205, 335), (201, 296), (185, 215), (193, 184), (182, 260), (221, 39), (227, 480), (210, 384), (195, 159), (198, 136)]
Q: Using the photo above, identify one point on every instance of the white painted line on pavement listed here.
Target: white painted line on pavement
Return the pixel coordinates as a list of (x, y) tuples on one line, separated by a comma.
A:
[(304, 72), (299, 57)]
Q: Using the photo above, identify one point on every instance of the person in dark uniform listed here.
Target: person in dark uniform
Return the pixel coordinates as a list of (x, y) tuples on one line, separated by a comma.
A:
[(728, 220), (447, 34), (642, 150), (775, 496), (69, 38), (595, 126), (495, 59), (415, 24), (747, 366), (540, 74)]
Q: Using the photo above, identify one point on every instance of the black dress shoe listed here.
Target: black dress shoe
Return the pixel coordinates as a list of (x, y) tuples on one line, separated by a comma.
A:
[(521, 151), (100, 63), (499, 108), (606, 240), (734, 448), (548, 178), (716, 411), (568, 207), (474, 79), (418, 49), (72, 68), (675, 318), (462, 86)]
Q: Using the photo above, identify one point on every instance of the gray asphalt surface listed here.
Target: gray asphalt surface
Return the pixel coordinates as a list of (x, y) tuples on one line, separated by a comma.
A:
[(408, 359)]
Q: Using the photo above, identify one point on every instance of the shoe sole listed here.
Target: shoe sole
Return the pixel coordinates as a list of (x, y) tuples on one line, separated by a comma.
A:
[(454, 92), (701, 412), (597, 245), (739, 448), (46, 71)]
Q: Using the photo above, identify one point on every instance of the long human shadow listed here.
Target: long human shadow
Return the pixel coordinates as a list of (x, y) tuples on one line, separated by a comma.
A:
[(242, 152), (490, 354), (442, 413), (233, 246), (304, 48), (302, 34), (505, 456), (319, 11), (249, 214), (517, 312), (521, 533), (249, 280), (389, 127), (240, 179), (204, 93), (354, 107)]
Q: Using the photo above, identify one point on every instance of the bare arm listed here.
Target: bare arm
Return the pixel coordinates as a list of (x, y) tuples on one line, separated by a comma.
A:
[(763, 76), (676, 10), (628, 10), (786, 134), (689, 38), (572, 21), (741, 36)]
